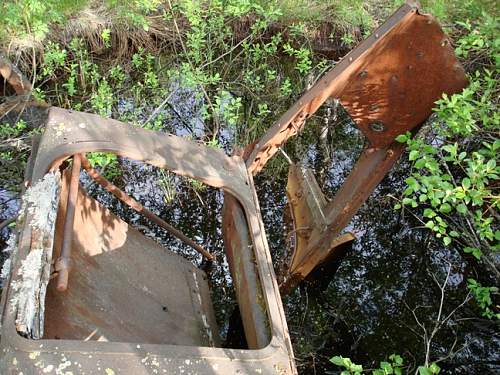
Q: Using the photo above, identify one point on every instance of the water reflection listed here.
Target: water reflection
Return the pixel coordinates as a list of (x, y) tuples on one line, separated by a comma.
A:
[(366, 311)]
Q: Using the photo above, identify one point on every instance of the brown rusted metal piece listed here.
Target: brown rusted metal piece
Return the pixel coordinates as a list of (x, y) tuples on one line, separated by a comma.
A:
[(124, 286), (370, 169), (309, 209), (388, 83), (14, 77), (120, 282), (248, 288), (132, 203), (63, 263)]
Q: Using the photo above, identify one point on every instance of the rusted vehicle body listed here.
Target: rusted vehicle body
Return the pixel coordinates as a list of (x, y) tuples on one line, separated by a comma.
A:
[(388, 84), (129, 307), (87, 293)]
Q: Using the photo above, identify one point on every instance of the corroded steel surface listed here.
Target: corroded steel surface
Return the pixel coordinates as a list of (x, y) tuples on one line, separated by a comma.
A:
[(68, 133), (123, 286), (247, 285), (309, 209), (388, 83), (370, 169), (63, 263)]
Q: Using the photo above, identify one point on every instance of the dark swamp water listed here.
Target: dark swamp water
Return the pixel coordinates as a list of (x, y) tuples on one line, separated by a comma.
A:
[(364, 310)]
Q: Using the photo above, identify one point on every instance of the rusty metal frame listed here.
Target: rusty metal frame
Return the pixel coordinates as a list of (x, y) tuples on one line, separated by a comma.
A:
[(388, 83), (68, 133)]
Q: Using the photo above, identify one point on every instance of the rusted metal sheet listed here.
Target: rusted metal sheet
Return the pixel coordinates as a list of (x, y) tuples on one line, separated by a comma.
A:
[(370, 169), (247, 285), (310, 221), (167, 300), (108, 255), (388, 83)]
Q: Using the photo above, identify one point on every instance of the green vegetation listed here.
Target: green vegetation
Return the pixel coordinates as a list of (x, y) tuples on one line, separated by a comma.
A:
[(32, 19), (453, 188), (394, 365)]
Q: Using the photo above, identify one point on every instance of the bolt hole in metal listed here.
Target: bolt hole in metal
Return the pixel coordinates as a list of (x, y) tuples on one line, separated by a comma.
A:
[(377, 127)]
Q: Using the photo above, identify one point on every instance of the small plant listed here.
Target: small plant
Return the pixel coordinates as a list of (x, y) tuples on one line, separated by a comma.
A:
[(102, 101), (453, 188), (483, 297), (107, 162), (302, 55), (351, 368), (393, 366), (432, 369)]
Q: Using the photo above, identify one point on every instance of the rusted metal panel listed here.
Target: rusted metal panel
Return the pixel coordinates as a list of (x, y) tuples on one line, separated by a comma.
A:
[(68, 133), (113, 263), (309, 210), (307, 204), (388, 83), (369, 170), (393, 89), (247, 285)]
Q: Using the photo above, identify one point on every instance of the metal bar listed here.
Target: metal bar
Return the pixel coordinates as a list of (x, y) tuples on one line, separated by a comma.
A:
[(369, 170), (63, 263), (131, 202), (247, 285)]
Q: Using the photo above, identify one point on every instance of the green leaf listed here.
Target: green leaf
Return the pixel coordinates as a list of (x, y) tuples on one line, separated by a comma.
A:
[(356, 368), (402, 138), (435, 369), (474, 251), (422, 370), (445, 208), (462, 208), (337, 360), (413, 155), (386, 366), (420, 163), (429, 213), (396, 359), (446, 240)]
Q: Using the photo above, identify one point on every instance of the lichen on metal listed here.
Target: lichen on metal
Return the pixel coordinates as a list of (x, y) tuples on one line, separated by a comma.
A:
[(10, 250), (29, 284)]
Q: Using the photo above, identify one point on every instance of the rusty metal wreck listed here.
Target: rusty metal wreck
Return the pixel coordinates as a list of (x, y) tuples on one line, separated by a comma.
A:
[(64, 306)]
